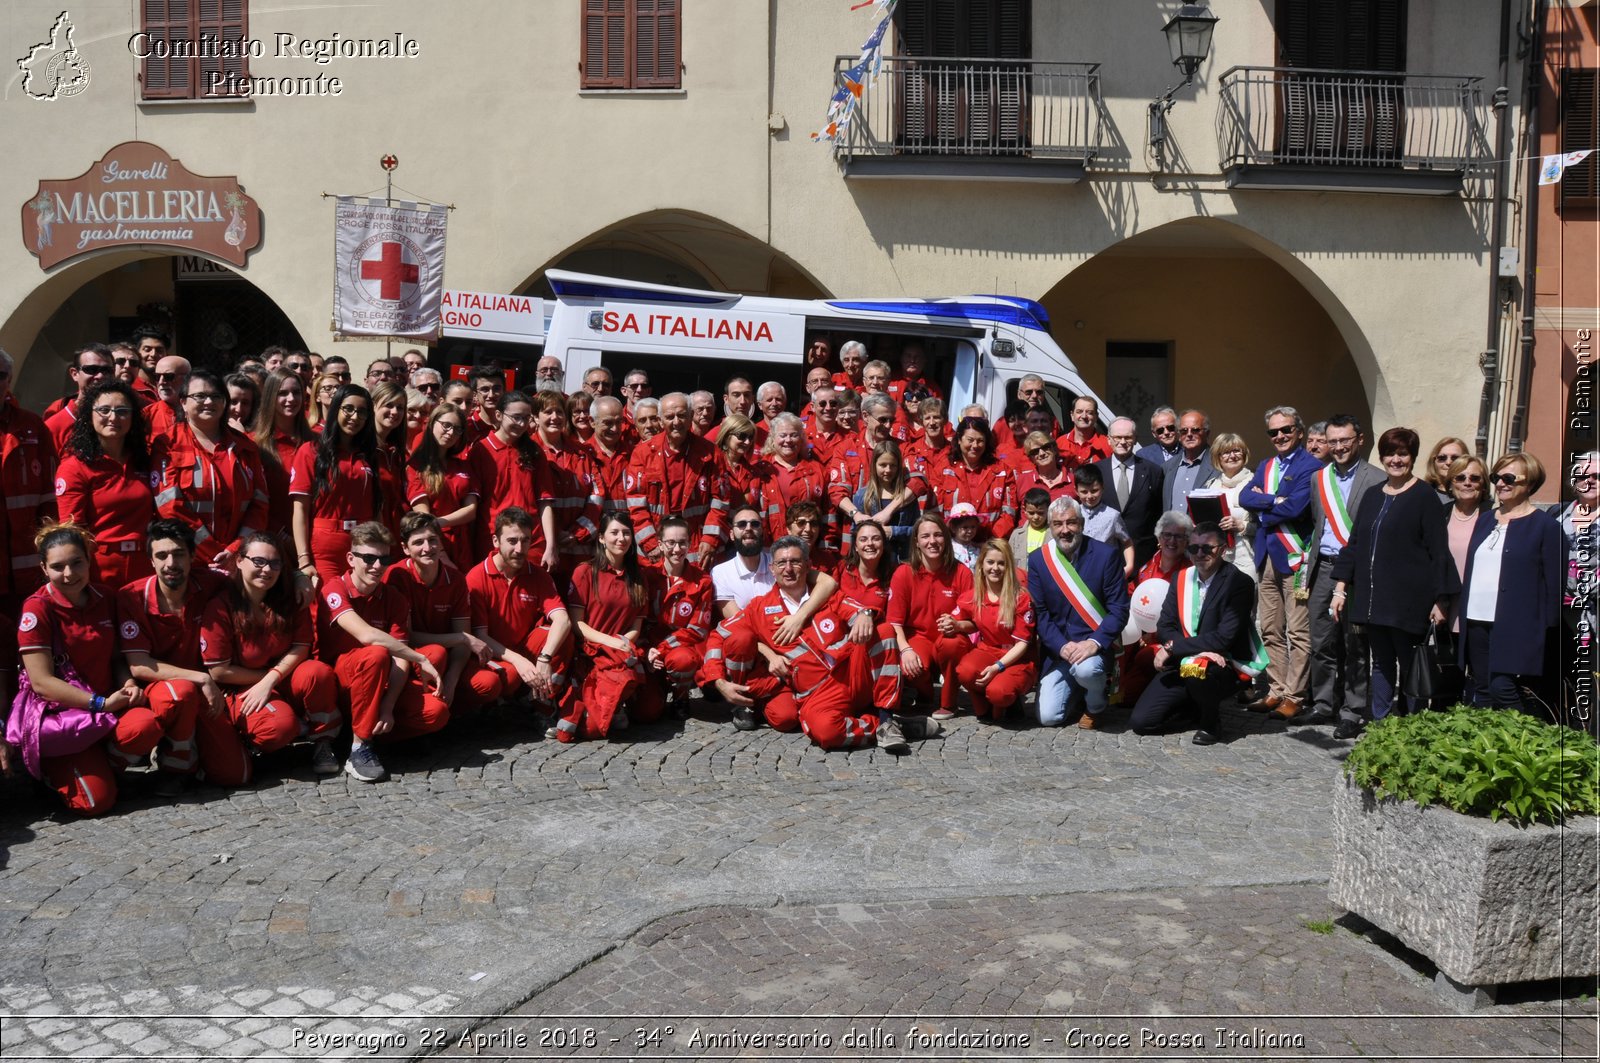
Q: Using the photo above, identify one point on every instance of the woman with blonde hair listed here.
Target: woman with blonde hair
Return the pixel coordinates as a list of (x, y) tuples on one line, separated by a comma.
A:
[(736, 458), (787, 475), (1230, 456), (281, 429), (1444, 454), (885, 497), (922, 598), (1001, 666), (319, 399)]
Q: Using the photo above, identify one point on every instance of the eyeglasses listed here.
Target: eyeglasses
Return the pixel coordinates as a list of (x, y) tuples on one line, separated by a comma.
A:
[(826, 404), (1174, 537), (516, 418), (272, 564), (745, 437), (1446, 459), (204, 396), (747, 524), (1202, 549), (1286, 430), (1340, 444), (371, 560), (803, 522), (1466, 478), (1032, 393), (298, 367), (1191, 431), (789, 562), (352, 411), (1036, 451), (674, 544), (113, 411), (327, 389), (1507, 479), (447, 426)]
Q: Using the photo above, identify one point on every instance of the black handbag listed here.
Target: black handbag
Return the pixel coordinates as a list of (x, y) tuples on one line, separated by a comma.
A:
[(1422, 677)]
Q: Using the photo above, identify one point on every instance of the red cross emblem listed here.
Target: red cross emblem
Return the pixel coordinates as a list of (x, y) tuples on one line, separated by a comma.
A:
[(1144, 599), (389, 271)]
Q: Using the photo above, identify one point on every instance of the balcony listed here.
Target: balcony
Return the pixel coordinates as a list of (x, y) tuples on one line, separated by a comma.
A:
[(1349, 130), (973, 119)]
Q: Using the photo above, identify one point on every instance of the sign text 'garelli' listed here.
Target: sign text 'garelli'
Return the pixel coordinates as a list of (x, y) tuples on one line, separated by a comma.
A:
[(139, 195)]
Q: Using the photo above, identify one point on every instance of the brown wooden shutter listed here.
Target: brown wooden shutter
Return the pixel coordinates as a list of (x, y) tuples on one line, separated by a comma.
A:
[(1579, 110), (656, 63), (167, 22), (1348, 35), (223, 21), (605, 44)]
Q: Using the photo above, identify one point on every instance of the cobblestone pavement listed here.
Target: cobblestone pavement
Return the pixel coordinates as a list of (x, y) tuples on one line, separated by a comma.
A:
[(309, 917)]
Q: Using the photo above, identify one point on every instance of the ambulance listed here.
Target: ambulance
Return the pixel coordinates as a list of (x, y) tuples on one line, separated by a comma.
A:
[(978, 347)]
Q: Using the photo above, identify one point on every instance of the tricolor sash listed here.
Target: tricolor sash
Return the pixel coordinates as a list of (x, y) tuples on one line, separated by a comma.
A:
[(1333, 504), (1066, 577), (1293, 544), (1187, 588)]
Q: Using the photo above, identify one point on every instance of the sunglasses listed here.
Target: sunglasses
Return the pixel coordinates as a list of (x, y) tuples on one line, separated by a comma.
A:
[(1164, 429), (427, 388), (345, 376), (204, 396), (1507, 479), (371, 560), (747, 524), (1201, 431), (744, 437), (125, 362), (269, 563), (1586, 478), (94, 370), (1466, 478), (169, 376), (1202, 549), (1275, 432), (1446, 459)]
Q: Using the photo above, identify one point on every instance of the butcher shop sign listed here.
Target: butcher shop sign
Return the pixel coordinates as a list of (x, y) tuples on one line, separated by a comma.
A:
[(139, 196)]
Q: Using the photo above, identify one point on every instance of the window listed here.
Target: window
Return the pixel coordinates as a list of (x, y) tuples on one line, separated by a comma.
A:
[(194, 49), (631, 44), (950, 101), (1578, 131), (1342, 117)]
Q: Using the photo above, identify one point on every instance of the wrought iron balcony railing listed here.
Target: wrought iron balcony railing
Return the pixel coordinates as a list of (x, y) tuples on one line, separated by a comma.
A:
[(1287, 117), (973, 107)]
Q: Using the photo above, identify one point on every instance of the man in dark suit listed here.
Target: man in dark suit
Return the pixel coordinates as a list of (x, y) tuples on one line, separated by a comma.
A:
[(1339, 663), (1205, 621), (1192, 467), (1133, 488), (1080, 604)]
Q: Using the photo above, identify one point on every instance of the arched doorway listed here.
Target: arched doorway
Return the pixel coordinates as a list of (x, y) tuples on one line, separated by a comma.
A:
[(1206, 314), (214, 315)]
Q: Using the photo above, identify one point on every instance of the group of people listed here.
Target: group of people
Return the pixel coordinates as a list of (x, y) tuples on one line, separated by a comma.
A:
[(205, 567)]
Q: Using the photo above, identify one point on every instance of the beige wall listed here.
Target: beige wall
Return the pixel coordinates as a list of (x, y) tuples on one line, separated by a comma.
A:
[(538, 170)]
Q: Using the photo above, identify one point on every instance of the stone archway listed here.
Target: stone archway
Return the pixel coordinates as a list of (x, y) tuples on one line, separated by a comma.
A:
[(1204, 313)]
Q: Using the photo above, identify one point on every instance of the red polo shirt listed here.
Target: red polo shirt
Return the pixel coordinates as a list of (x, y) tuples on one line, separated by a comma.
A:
[(511, 609), (434, 610), (918, 598), (169, 637), (350, 490), (385, 609), (108, 497), (87, 635), (221, 641)]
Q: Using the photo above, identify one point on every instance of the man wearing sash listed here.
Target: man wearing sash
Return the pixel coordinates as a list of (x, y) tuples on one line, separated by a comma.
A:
[(1338, 648), (1080, 601), (1208, 643), (1280, 495)]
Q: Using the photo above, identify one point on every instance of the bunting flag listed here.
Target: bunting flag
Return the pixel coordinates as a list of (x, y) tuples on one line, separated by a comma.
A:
[(1553, 166), (854, 81)]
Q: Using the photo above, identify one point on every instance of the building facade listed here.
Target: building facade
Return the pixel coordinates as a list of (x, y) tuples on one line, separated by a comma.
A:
[(1312, 221)]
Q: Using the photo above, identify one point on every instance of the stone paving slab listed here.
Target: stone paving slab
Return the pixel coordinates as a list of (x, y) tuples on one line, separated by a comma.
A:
[(494, 863)]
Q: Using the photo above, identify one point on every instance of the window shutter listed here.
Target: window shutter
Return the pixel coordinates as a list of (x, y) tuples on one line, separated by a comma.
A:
[(605, 44), (655, 41), (1013, 30), (1579, 109), (1350, 35), (167, 22), (221, 24)]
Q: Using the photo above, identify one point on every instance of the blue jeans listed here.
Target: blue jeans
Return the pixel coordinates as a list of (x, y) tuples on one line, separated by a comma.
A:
[(1063, 685)]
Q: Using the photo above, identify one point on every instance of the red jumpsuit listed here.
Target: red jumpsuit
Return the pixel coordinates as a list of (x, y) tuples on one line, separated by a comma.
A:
[(682, 623), (737, 479), (86, 637), (609, 679), (221, 493), (435, 610), (994, 642), (663, 482), (575, 495), (457, 488), (917, 598), (856, 594), (991, 489), (306, 701), (824, 444), (349, 499), (114, 502), (923, 462), (823, 695), (363, 671), (611, 468), (516, 613), (27, 471), (170, 638), (774, 487), (1029, 478), (504, 480)]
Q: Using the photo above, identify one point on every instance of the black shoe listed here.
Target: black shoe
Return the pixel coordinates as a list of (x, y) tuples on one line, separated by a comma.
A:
[(1347, 729), (1204, 738), (170, 785), (1320, 716), (744, 718)]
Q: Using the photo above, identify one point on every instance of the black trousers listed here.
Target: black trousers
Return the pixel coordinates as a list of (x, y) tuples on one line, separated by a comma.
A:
[(1171, 700)]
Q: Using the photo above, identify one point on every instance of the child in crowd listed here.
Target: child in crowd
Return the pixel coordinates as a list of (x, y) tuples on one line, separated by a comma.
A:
[(1035, 527), (1100, 521), (964, 531)]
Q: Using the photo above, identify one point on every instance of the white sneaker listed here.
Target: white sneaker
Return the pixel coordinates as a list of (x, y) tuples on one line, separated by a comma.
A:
[(891, 739)]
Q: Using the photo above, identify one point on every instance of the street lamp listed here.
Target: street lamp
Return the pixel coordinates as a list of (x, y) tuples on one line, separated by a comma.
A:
[(1189, 40)]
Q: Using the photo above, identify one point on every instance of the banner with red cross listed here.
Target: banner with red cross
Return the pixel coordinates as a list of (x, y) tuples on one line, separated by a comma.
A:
[(388, 268)]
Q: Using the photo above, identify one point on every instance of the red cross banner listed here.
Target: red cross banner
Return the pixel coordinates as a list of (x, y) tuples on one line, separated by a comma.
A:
[(388, 268)]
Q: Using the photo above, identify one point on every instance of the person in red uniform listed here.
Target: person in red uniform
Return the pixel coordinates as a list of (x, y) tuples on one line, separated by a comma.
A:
[(975, 476), (172, 381), (853, 358), (512, 471), (67, 638), (737, 461), (913, 366), (786, 475), (675, 475), (864, 577), (818, 378), (1083, 445), (1010, 434), (580, 416), (334, 486), (813, 683), (927, 451), (611, 453), (91, 365), (281, 429), (738, 397), (488, 387), (210, 476), (440, 481), (574, 496), (825, 433), (103, 483), (441, 613), (1045, 469), (255, 643), (852, 461), (805, 522), (150, 345), (27, 473), (389, 688), (1001, 666), (389, 429), (682, 622), (611, 602), (520, 617), (922, 600)]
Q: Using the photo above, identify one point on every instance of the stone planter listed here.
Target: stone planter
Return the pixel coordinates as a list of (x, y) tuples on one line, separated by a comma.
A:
[(1488, 903)]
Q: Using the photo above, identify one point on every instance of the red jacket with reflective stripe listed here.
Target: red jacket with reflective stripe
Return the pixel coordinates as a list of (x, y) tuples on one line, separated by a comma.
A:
[(662, 483), (27, 478)]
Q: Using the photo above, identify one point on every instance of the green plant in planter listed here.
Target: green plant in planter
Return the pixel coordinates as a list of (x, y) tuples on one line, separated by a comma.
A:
[(1481, 762)]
